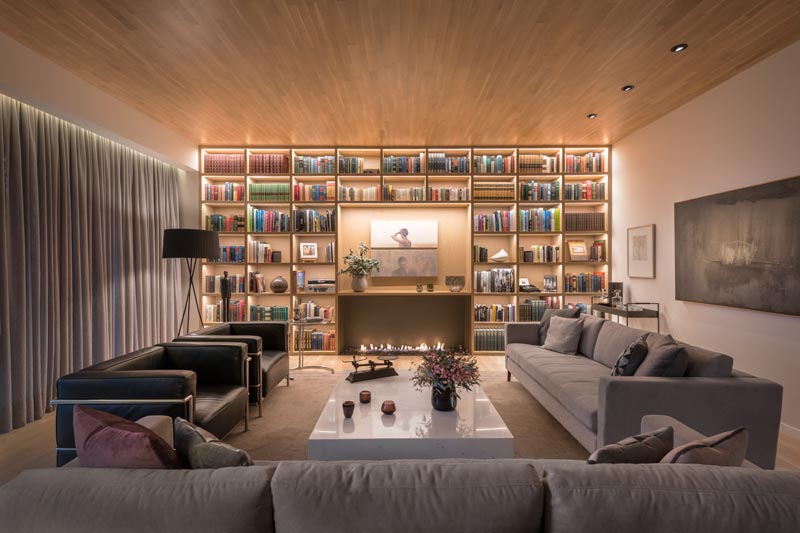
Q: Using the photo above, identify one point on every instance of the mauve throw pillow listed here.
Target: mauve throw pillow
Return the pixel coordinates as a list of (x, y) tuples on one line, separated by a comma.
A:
[(201, 449), (645, 448), (631, 358), (104, 440), (564, 335), (724, 449), (544, 325)]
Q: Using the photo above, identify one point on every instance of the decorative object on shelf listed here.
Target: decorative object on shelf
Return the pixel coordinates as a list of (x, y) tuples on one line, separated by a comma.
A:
[(191, 245), (500, 257), (526, 286), (388, 407), (419, 288), (276, 256), (296, 314), (577, 250), (527, 256), (308, 251), (454, 283), (365, 396), (278, 285), (225, 292), (446, 372), (430, 287), (347, 408), (359, 267), (381, 369), (642, 251)]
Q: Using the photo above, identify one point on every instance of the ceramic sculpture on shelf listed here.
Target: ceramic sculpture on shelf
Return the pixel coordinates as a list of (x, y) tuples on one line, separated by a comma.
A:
[(500, 257)]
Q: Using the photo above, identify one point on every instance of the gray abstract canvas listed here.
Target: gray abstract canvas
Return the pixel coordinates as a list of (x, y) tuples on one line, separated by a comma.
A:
[(741, 248)]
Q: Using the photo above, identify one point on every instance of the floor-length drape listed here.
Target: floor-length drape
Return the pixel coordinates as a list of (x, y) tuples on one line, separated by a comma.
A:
[(81, 274)]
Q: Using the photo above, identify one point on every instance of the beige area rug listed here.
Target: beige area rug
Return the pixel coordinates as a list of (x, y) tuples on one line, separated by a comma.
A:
[(291, 412)]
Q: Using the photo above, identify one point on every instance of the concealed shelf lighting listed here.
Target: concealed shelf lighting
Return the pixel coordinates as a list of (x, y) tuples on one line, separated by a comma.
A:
[(591, 115), (679, 47), (627, 88)]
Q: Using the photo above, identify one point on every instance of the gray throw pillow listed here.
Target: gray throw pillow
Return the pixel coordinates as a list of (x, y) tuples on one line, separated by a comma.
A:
[(665, 358), (724, 449), (564, 335), (645, 448), (631, 358), (544, 325), (201, 449)]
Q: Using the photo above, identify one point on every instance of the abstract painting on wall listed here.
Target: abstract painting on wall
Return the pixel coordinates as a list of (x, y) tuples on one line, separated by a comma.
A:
[(405, 263), (741, 248), (404, 234)]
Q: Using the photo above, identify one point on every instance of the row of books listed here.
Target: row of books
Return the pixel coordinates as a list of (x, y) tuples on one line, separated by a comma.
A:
[(490, 339), (258, 284), (317, 192), (538, 164), (236, 311), (403, 164), (494, 280), (533, 191), (493, 164), (269, 163), (227, 192), (223, 163), (497, 222), (230, 254), (269, 312), (358, 194), (226, 223), (584, 282), (542, 254), (267, 221), (403, 194), (313, 221), (597, 252), (323, 164), (495, 313), (493, 191), (330, 252), (269, 192), (540, 219), (591, 162), (532, 310), (448, 194), (262, 252), (480, 254), (309, 309), (440, 163), (312, 339), (549, 283), (351, 165), (236, 281), (588, 190), (585, 221)]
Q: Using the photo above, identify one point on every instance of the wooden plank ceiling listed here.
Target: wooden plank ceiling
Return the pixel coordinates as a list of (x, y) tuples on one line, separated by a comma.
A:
[(402, 72)]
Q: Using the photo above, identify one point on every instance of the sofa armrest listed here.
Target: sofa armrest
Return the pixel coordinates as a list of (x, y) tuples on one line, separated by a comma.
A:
[(253, 342), (127, 384), (215, 363), (274, 335), (522, 333), (709, 405)]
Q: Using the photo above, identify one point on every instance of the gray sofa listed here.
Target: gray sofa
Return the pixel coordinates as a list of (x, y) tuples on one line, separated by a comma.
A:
[(701, 388)]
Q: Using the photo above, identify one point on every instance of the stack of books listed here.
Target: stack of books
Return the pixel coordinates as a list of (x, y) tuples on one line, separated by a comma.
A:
[(494, 280)]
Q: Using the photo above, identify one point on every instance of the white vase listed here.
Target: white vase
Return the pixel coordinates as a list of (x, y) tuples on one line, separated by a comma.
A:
[(359, 283)]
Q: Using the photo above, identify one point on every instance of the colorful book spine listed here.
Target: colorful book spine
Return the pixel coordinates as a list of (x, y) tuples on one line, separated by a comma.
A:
[(534, 191), (493, 164), (584, 282), (317, 192), (312, 221), (223, 163), (497, 222), (269, 313), (403, 194), (441, 163), (540, 220), (264, 221), (358, 194), (324, 164), (269, 163), (538, 164), (225, 223), (393, 164), (581, 164), (448, 194), (227, 192), (588, 190)]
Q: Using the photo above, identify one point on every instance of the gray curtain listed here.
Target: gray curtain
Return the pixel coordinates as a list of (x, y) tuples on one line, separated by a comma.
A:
[(81, 274)]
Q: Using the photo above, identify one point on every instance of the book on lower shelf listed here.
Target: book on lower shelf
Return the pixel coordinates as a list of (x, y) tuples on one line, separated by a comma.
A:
[(358, 194), (493, 190), (495, 313), (494, 280), (267, 221), (262, 252), (480, 254), (585, 221), (540, 253), (584, 282), (448, 194), (237, 283), (314, 192), (393, 193), (227, 192), (236, 311), (490, 339), (311, 339), (493, 164), (499, 221), (550, 283), (225, 223), (257, 283), (269, 313), (588, 190), (313, 221), (230, 254), (540, 219), (310, 309)]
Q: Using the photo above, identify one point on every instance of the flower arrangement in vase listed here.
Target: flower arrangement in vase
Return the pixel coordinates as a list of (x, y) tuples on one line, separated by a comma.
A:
[(359, 266), (446, 372)]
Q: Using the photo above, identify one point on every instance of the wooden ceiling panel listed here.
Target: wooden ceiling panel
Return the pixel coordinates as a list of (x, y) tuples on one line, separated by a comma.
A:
[(402, 72)]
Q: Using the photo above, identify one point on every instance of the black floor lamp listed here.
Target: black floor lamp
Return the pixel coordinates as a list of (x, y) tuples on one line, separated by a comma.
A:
[(191, 245)]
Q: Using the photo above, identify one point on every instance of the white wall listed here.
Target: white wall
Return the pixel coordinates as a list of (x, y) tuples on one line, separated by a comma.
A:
[(744, 132)]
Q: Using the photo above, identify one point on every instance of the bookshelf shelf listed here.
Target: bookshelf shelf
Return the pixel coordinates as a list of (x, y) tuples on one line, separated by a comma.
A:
[(443, 171)]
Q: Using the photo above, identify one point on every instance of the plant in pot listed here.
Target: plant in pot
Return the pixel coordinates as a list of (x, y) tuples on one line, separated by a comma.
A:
[(359, 266), (446, 373)]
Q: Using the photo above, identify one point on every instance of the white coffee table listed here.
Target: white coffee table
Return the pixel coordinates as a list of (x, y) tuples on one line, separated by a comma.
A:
[(416, 431)]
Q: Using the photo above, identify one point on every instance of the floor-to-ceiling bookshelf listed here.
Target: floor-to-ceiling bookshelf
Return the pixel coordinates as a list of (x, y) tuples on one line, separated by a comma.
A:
[(356, 181)]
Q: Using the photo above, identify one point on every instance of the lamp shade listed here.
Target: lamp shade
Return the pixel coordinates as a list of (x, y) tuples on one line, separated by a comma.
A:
[(190, 243)]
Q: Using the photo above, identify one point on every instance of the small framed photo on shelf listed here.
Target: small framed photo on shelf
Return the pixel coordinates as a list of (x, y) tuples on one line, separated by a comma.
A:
[(642, 251), (578, 250), (308, 251)]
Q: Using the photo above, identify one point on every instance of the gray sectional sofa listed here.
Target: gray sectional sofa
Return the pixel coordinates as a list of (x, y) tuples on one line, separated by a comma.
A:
[(700, 388)]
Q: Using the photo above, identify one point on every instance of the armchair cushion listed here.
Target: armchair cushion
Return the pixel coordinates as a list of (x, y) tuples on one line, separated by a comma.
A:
[(253, 342), (218, 363), (218, 408)]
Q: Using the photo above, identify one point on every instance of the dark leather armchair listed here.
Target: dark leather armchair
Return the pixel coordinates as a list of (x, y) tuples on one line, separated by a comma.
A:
[(204, 383), (274, 347)]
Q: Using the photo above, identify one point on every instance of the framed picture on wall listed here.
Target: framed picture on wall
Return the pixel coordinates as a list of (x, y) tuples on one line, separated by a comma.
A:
[(642, 251)]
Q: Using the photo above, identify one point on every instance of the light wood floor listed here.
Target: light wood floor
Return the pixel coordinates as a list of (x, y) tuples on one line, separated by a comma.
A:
[(32, 446)]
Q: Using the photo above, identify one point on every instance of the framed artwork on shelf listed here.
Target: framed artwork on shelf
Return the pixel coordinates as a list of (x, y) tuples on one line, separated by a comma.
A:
[(404, 234), (308, 251), (642, 251), (577, 250)]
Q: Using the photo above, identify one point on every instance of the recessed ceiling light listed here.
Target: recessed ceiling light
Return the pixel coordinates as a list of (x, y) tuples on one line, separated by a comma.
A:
[(679, 47), (591, 115), (627, 88)]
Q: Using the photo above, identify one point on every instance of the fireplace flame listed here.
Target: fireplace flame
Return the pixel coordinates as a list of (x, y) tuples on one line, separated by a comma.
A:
[(402, 348)]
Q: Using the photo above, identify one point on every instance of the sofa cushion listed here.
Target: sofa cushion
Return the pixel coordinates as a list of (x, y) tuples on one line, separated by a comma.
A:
[(550, 313), (201, 449), (724, 449), (104, 440), (664, 358), (631, 358), (648, 447), (401, 496), (613, 340), (591, 329), (522, 353), (705, 363), (564, 335)]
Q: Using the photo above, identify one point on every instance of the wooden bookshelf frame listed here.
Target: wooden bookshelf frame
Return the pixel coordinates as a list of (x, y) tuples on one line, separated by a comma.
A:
[(511, 240)]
